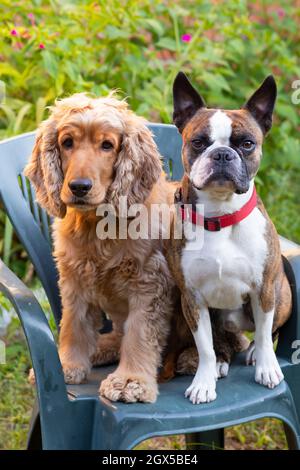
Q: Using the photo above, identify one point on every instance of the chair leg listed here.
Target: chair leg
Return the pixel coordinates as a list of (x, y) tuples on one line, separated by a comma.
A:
[(292, 439), (206, 440), (34, 441)]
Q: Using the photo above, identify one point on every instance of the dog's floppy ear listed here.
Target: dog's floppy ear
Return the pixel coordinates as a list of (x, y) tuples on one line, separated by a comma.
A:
[(262, 102), (137, 167), (186, 101), (44, 169)]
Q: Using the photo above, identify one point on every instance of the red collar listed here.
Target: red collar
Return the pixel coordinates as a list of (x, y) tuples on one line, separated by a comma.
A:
[(214, 224)]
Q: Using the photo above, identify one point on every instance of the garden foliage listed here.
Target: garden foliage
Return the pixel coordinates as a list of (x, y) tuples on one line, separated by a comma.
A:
[(54, 48)]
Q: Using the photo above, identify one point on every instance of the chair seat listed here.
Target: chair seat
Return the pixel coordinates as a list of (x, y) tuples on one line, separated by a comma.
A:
[(239, 399)]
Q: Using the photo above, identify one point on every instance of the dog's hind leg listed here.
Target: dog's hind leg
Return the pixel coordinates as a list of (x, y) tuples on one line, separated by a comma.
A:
[(226, 344), (107, 348)]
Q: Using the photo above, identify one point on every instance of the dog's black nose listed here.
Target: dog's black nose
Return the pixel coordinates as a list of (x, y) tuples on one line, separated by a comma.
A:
[(80, 187), (223, 154)]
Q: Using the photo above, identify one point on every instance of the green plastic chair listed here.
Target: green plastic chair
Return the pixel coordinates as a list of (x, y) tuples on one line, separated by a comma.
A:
[(73, 416)]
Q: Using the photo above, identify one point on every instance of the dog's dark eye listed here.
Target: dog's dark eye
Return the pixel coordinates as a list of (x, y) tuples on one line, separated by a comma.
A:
[(106, 145), (67, 143), (199, 144), (248, 145)]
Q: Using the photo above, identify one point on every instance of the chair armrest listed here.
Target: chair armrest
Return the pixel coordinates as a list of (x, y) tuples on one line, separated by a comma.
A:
[(49, 378), (290, 332)]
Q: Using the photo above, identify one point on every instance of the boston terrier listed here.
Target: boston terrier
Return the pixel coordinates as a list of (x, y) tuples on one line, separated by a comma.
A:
[(236, 268)]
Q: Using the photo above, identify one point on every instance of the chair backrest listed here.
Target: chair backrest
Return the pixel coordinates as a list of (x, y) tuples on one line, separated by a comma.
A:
[(30, 221)]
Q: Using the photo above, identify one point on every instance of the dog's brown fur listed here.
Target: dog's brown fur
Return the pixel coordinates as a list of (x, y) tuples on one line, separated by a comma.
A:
[(128, 279)]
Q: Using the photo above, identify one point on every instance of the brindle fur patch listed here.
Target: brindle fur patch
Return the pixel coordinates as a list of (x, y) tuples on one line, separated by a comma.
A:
[(244, 124), (275, 289), (199, 124), (190, 310)]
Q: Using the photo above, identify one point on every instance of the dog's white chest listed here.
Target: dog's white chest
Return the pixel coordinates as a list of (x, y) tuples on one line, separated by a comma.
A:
[(228, 264)]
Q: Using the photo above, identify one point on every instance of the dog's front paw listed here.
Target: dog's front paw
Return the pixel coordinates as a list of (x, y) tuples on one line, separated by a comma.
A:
[(202, 389), (268, 372), (129, 388), (75, 374)]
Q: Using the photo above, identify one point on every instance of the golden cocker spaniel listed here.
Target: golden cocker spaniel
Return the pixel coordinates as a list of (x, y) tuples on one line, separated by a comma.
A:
[(92, 151)]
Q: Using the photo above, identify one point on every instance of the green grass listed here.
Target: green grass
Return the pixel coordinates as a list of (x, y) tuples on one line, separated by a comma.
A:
[(17, 397), (264, 434)]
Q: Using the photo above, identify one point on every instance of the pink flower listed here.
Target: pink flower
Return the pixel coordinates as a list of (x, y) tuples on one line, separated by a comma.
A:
[(41, 46), (14, 32), (186, 37), (280, 13), (31, 18)]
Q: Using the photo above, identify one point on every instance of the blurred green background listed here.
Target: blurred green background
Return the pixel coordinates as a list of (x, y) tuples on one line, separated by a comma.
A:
[(51, 49)]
